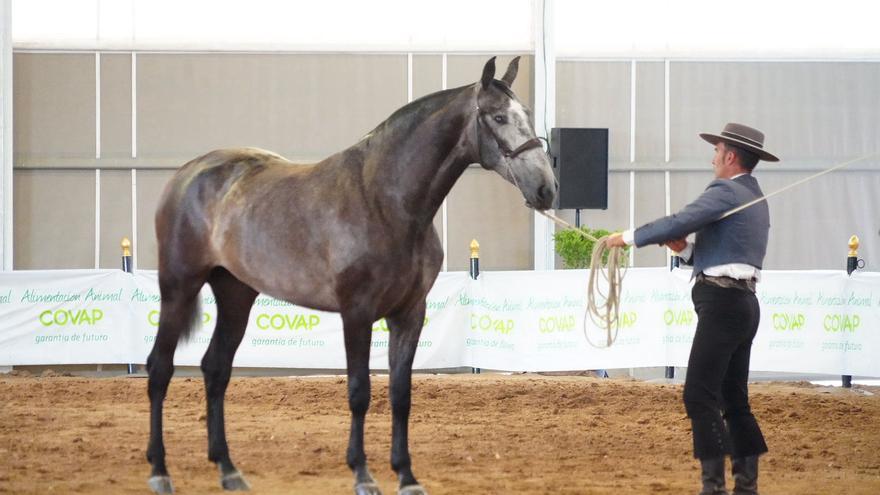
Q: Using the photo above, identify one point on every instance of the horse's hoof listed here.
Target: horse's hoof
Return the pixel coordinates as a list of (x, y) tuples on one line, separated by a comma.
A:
[(367, 488), (412, 490), (234, 482), (161, 484)]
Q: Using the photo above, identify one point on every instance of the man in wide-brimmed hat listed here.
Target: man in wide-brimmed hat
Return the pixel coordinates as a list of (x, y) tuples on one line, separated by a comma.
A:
[(727, 255)]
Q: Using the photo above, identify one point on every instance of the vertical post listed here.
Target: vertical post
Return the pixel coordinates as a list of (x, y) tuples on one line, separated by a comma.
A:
[(6, 162), (852, 264), (444, 209), (127, 268), (475, 272), (674, 261), (545, 115)]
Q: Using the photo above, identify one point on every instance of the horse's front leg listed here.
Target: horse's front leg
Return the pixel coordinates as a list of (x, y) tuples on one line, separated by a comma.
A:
[(358, 335), (403, 341)]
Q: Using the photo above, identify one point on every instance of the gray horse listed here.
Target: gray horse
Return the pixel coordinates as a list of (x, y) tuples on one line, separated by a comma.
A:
[(352, 234)]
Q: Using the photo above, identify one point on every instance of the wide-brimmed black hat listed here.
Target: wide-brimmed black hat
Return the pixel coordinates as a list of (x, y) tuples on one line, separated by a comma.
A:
[(743, 136)]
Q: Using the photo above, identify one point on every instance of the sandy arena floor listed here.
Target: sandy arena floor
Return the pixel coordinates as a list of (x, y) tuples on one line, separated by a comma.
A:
[(479, 434)]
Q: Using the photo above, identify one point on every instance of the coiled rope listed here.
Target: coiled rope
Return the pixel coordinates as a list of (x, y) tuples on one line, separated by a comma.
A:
[(603, 308)]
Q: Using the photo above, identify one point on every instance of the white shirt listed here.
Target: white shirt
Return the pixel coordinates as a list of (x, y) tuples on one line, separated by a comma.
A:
[(741, 271)]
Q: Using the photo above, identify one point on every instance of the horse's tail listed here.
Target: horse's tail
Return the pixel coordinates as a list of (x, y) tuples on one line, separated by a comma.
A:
[(183, 267), (180, 310), (193, 320)]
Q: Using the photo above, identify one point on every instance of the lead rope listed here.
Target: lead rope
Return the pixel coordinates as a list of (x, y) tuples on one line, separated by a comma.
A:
[(604, 309)]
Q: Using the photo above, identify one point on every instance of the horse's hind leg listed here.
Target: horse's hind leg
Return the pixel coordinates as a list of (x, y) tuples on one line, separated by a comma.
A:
[(404, 334), (234, 301), (179, 308), (358, 335)]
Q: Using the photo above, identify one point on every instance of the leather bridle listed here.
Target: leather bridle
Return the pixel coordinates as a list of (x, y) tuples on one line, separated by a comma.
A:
[(505, 149)]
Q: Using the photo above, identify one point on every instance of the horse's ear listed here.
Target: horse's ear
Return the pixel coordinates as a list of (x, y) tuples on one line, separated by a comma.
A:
[(512, 69), (488, 73)]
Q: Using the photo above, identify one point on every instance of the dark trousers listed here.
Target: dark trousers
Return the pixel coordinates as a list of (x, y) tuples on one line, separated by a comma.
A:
[(718, 372)]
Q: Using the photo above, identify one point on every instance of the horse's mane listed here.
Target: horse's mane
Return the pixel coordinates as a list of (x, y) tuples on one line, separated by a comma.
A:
[(428, 104), (431, 102), (420, 107)]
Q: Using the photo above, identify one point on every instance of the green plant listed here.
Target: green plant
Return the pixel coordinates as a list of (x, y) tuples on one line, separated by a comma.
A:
[(576, 250)]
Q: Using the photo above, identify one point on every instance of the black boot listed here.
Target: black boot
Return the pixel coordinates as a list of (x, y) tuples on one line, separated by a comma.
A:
[(745, 475), (713, 476)]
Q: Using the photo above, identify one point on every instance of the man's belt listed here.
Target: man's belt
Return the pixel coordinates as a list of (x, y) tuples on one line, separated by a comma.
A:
[(727, 282)]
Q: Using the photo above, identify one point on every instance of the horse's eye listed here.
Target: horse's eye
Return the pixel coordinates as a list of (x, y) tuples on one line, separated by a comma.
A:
[(500, 119)]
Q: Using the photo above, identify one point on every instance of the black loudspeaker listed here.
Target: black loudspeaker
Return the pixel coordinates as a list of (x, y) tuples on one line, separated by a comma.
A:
[(580, 163)]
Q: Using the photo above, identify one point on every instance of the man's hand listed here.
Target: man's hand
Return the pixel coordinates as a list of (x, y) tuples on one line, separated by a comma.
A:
[(676, 245), (616, 240)]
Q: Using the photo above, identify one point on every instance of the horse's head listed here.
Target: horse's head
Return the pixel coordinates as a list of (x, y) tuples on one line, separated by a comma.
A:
[(506, 139)]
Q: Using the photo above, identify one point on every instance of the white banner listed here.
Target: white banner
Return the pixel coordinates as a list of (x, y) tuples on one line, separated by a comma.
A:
[(536, 323), (811, 322), (819, 322), (283, 335), (65, 317)]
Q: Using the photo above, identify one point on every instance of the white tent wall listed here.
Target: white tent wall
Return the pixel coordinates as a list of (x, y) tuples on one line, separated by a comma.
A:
[(783, 29), (127, 86)]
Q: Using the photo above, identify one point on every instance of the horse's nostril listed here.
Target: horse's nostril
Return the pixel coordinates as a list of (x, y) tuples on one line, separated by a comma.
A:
[(545, 193)]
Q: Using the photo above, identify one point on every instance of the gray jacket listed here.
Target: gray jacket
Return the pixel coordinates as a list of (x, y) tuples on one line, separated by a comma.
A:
[(739, 238)]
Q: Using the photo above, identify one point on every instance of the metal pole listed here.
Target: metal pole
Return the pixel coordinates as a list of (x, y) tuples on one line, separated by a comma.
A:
[(852, 260), (475, 259), (475, 272), (6, 141), (127, 268), (674, 262), (126, 256), (852, 264)]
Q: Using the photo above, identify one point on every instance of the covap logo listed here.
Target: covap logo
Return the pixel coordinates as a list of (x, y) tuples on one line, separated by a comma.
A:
[(628, 319), (286, 321), (678, 317), (486, 323), (382, 326), (70, 317), (841, 323), (788, 321), (551, 324), (153, 318)]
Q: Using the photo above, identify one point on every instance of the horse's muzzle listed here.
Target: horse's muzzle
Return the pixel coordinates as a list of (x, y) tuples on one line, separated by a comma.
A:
[(545, 198)]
